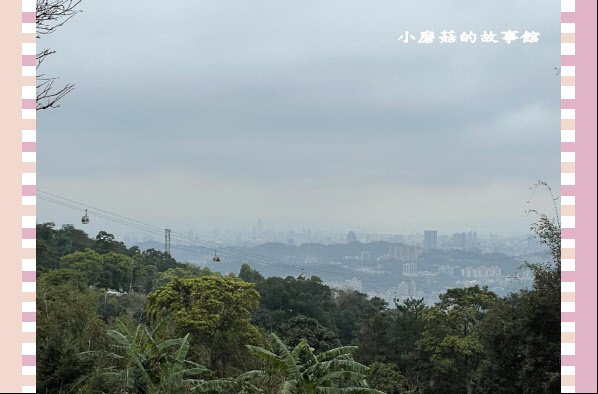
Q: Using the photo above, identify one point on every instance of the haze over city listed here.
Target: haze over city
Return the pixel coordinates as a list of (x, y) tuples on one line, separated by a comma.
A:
[(315, 117)]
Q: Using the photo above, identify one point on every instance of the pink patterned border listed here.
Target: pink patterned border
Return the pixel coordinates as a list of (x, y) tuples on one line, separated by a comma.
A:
[(578, 194), (578, 138), (567, 196), (28, 199)]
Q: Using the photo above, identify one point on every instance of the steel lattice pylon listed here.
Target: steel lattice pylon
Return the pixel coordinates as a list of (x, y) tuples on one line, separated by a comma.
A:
[(167, 240)]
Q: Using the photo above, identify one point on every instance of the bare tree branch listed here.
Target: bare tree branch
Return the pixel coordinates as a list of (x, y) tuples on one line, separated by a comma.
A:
[(47, 96), (50, 15), (41, 56)]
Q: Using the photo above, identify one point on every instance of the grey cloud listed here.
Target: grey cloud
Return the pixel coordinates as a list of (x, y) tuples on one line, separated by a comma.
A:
[(262, 99)]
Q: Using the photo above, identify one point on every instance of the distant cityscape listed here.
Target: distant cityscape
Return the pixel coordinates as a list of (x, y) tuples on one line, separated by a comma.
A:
[(428, 239), (387, 265)]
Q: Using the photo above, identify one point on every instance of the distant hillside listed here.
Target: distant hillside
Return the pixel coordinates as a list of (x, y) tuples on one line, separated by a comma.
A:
[(278, 259)]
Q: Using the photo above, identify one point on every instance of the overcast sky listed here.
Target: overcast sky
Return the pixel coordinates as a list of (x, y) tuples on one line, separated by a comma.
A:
[(310, 114)]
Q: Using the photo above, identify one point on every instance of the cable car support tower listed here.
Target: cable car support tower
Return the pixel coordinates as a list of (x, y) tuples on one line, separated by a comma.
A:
[(167, 241)]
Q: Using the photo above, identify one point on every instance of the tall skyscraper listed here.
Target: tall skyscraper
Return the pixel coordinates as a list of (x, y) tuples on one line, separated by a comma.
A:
[(259, 228), (351, 237), (430, 239), (459, 240)]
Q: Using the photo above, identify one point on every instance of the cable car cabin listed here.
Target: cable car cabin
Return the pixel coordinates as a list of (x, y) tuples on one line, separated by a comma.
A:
[(216, 258), (85, 218)]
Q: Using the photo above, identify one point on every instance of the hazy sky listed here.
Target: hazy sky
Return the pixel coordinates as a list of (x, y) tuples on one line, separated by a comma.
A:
[(309, 114)]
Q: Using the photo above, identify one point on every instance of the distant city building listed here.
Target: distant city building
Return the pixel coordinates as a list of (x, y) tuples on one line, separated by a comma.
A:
[(364, 256), (351, 237), (355, 285), (394, 251), (259, 227), (450, 271), (430, 239), (471, 240), (410, 269), (407, 253), (310, 260), (407, 290), (459, 240), (480, 272), (272, 236), (291, 241)]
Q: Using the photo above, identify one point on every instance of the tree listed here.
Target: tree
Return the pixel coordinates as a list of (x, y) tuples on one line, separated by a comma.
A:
[(67, 324), (521, 334), (298, 370), (242, 384), (521, 340), (351, 308), (160, 260), (281, 299), (387, 378), (117, 272), (144, 275), (126, 307), (64, 276), (47, 255), (143, 364), (105, 243), (302, 327), (88, 262), (408, 329), (250, 275), (389, 337), (216, 311), (50, 15), (374, 337), (451, 337), (163, 278), (52, 244)]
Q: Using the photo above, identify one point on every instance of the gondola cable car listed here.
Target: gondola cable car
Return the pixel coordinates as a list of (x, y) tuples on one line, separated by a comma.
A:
[(85, 218), (216, 258)]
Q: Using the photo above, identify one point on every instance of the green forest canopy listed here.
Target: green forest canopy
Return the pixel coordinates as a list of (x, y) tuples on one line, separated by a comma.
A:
[(174, 327)]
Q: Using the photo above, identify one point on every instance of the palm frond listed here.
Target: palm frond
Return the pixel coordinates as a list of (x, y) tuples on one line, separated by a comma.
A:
[(348, 390), (166, 319), (343, 375), (123, 328), (122, 340), (300, 347), (252, 376), (218, 385), (343, 365), (183, 350), (267, 356), (289, 387), (336, 352), (168, 343), (287, 357)]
